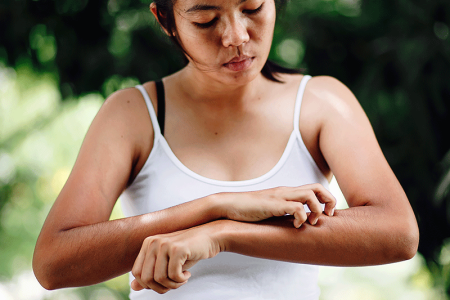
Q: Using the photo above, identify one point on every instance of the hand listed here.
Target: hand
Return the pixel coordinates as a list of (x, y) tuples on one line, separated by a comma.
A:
[(164, 259), (277, 202)]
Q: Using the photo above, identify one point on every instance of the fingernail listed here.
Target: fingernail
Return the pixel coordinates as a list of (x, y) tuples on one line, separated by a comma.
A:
[(332, 212)]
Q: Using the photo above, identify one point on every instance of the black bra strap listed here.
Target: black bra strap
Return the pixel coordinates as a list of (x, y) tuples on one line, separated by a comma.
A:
[(161, 104)]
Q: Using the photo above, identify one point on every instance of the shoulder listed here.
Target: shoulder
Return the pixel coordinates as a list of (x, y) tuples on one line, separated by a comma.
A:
[(125, 111), (124, 102), (329, 91), (129, 105), (124, 116), (330, 99), (324, 97), (318, 87)]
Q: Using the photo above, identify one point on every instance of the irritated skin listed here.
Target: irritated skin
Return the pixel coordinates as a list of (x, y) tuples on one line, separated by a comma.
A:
[(226, 112)]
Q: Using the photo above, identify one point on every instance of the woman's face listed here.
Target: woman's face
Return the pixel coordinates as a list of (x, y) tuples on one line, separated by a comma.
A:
[(226, 40)]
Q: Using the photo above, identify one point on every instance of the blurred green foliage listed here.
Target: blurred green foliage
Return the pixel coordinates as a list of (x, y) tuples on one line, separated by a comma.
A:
[(393, 54)]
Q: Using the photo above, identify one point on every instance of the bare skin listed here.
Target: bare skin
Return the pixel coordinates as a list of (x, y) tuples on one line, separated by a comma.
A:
[(234, 131)]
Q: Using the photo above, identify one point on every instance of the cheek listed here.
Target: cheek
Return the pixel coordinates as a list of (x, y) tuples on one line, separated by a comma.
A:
[(202, 47), (264, 29), (190, 36), (264, 24)]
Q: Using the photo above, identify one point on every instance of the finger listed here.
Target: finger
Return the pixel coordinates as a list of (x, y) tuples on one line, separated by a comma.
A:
[(147, 270), (300, 215), (175, 268), (324, 196), (306, 196), (139, 263), (136, 286), (147, 278), (314, 206), (161, 271)]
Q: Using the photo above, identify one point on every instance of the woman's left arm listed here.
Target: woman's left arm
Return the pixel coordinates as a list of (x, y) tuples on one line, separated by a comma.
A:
[(378, 227)]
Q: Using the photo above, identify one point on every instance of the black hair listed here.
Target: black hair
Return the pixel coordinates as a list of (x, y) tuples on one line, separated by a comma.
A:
[(165, 15)]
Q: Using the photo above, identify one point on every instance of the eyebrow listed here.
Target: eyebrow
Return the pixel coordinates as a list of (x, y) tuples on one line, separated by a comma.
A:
[(205, 7)]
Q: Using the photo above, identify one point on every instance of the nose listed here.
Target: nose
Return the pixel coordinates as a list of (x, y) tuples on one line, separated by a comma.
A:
[(235, 33)]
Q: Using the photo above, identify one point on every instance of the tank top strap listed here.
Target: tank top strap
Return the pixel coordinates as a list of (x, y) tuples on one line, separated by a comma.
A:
[(298, 101), (151, 110)]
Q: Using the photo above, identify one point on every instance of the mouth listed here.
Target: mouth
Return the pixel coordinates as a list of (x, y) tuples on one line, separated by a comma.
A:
[(239, 63)]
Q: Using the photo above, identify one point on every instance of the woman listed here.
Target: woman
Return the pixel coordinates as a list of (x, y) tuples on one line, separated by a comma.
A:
[(235, 148)]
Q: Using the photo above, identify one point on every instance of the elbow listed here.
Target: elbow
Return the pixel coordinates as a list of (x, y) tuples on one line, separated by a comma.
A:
[(41, 277), (45, 282), (44, 269), (411, 243), (42, 274), (406, 242)]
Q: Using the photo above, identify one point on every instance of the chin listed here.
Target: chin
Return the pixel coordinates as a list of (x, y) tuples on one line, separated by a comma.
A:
[(240, 79)]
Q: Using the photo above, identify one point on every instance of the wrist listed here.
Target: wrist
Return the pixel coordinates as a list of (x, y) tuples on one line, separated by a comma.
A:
[(221, 233), (216, 206)]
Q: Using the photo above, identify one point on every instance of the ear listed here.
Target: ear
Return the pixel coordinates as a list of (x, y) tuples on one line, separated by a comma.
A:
[(155, 14)]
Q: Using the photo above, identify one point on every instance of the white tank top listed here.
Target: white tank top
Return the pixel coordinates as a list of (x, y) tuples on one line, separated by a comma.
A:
[(164, 182)]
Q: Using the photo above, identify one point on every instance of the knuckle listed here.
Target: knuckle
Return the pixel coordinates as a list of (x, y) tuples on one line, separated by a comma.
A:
[(160, 278), (148, 279), (311, 195), (172, 251), (157, 240), (176, 278), (164, 245), (333, 200), (173, 276), (175, 249), (317, 185), (302, 217), (300, 207), (300, 210), (137, 272), (149, 240)]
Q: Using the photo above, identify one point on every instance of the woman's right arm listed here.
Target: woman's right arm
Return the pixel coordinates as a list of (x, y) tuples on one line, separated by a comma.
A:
[(78, 245)]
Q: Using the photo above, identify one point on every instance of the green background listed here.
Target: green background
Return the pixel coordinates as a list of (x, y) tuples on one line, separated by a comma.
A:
[(60, 59)]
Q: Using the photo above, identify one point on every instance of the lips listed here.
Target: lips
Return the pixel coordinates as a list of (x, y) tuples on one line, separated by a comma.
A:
[(238, 59), (239, 63)]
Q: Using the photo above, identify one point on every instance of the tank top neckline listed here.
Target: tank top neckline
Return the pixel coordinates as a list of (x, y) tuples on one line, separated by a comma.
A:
[(265, 176), (159, 140)]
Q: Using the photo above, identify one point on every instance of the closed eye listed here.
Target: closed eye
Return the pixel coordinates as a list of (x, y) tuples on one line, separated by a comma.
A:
[(206, 25), (213, 21), (253, 11)]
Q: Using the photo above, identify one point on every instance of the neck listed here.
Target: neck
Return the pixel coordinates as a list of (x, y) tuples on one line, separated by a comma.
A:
[(201, 88)]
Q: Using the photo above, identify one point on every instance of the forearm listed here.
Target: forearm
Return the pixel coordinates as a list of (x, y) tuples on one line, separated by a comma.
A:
[(353, 237), (90, 254)]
